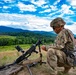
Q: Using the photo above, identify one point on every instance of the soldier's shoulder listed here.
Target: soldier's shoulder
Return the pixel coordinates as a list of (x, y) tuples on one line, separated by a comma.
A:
[(66, 30)]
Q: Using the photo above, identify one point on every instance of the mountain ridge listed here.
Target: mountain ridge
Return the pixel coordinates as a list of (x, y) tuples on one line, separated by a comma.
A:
[(4, 29)]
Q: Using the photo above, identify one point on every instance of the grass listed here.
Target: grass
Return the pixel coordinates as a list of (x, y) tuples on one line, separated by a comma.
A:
[(12, 47), (8, 53)]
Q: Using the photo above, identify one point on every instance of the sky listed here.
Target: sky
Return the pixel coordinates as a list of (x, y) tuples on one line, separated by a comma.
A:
[(36, 15)]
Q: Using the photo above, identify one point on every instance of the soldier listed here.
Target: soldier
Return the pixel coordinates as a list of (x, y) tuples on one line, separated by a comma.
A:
[(56, 57)]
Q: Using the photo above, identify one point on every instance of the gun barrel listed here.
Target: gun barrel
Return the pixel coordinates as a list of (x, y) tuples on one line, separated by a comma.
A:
[(19, 49)]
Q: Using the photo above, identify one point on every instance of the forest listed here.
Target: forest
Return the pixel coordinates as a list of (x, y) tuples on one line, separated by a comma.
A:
[(13, 38)]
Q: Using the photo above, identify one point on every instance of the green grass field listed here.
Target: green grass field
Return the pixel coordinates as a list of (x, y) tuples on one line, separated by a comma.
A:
[(12, 47)]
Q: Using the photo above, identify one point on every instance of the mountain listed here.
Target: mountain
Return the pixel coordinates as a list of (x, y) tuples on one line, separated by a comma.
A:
[(45, 33), (4, 29), (9, 29)]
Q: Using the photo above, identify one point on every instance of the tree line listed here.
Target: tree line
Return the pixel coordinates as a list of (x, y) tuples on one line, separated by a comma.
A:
[(24, 38)]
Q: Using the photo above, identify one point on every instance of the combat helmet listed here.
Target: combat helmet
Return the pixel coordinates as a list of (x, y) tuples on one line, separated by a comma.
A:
[(57, 22)]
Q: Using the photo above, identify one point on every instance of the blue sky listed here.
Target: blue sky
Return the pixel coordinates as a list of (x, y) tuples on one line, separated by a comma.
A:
[(37, 14)]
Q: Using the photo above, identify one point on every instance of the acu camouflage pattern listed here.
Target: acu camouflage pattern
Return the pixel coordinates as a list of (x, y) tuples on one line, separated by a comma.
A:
[(62, 40), (56, 57)]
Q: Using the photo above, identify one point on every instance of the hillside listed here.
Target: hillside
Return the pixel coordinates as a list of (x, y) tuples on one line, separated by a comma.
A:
[(4, 30), (9, 29)]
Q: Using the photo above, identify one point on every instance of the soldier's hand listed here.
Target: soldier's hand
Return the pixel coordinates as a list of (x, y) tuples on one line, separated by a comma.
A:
[(43, 47)]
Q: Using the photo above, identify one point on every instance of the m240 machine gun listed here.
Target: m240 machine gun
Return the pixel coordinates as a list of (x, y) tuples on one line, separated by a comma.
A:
[(28, 53)]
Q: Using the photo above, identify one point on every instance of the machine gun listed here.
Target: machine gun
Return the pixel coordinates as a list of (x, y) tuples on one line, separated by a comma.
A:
[(28, 53), (25, 55)]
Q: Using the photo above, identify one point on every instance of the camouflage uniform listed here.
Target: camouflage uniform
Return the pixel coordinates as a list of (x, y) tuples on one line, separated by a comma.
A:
[(55, 55)]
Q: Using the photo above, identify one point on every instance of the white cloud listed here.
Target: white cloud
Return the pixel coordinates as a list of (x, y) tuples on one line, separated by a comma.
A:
[(68, 20), (8, 23), (30, 22), (56, 2), (72, 27), (46, 6), (24, 7), (5, 7), (38, 2), (12, 19), (72, 3), (47, 10), (66, 9), (53, 8), (5, 23), (37, 23)]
